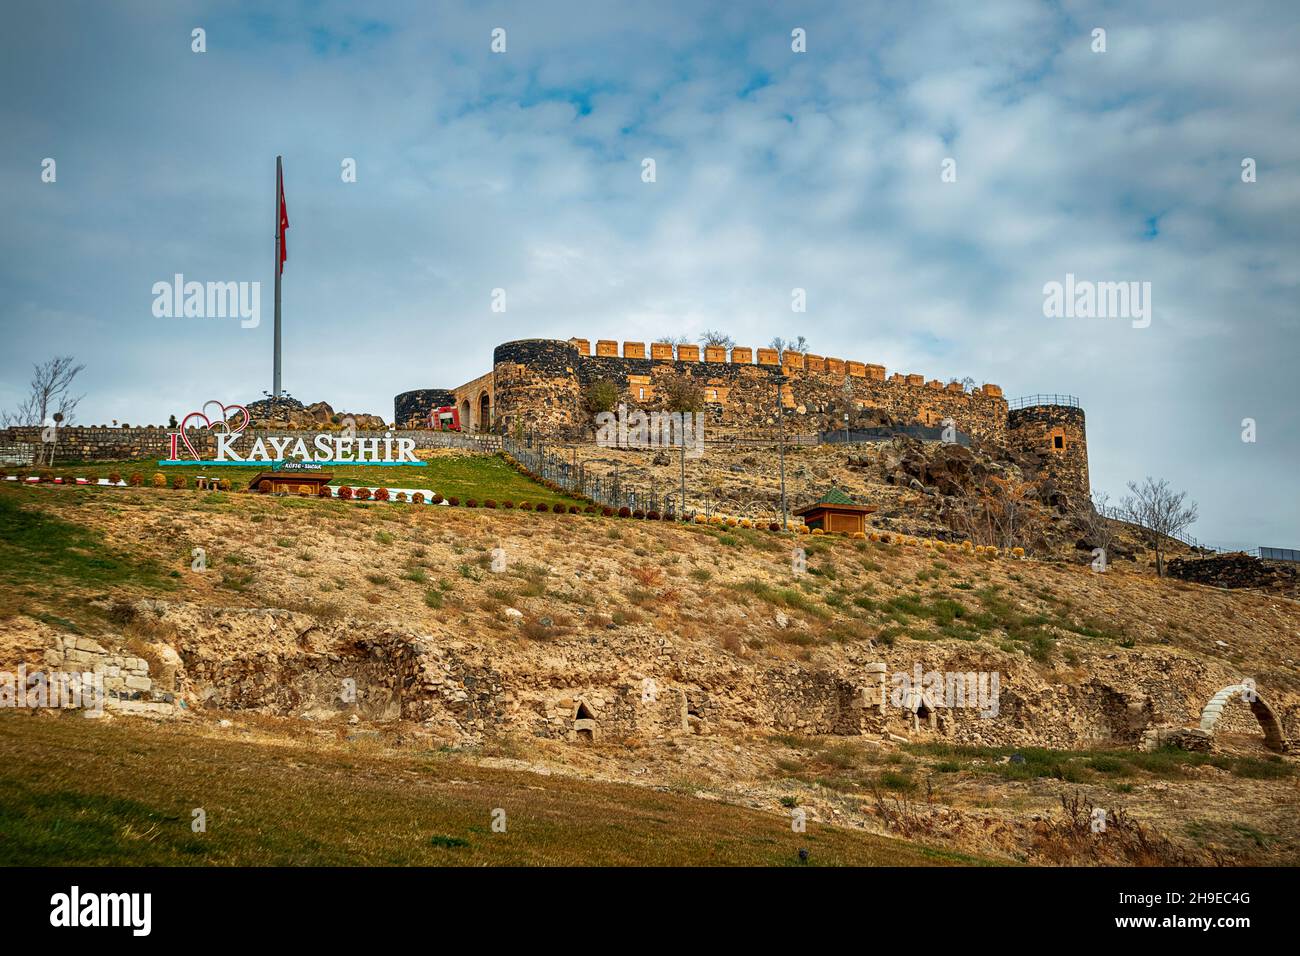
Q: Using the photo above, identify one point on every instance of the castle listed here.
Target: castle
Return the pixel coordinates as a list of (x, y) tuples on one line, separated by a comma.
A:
[(540, 385)]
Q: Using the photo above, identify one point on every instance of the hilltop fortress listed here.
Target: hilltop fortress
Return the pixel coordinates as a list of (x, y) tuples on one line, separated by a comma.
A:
[(540, 385)]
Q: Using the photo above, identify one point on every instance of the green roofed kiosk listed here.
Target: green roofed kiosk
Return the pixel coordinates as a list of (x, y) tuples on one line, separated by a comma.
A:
[(836, 513)]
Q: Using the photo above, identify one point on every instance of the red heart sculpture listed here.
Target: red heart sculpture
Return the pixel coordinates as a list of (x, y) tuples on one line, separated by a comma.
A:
[(221, 424)]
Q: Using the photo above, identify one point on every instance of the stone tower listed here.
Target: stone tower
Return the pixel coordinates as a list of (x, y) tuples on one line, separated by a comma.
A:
[(536, 381), (1052, 428)]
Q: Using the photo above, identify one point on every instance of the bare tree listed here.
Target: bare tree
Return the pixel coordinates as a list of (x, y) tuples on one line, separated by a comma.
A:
[(1159, 510), (799, 344), (49, 400), (714, 337)]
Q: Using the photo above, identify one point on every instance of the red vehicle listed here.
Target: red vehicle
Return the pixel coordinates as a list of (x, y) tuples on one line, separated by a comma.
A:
[(445, 419)]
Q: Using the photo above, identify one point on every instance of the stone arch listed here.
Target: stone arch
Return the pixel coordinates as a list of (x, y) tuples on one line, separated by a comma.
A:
[(466, 423), (584, 723), (1268, 721), (484, 411)]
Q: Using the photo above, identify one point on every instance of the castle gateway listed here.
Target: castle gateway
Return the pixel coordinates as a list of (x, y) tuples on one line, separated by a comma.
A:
[(541, 385)]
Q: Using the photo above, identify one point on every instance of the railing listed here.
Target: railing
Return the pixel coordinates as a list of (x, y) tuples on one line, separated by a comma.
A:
[(921, 432), (1267, 554), (1278, 554), (1029, 401), (576, 478)]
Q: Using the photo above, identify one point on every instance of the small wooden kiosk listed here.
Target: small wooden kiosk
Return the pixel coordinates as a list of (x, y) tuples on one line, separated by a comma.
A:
[(291, 482), (836, 513)]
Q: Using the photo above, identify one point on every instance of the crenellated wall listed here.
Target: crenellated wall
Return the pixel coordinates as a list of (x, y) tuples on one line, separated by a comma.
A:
[(740, 387)]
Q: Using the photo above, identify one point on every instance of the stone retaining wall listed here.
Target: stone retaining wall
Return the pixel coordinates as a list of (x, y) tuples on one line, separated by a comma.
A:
[(96, 443)]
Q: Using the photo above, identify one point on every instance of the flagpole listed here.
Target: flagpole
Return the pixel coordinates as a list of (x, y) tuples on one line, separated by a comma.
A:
[(279, 191)]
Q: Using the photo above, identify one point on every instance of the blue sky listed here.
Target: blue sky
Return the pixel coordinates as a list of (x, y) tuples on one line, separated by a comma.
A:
[(775, 170)]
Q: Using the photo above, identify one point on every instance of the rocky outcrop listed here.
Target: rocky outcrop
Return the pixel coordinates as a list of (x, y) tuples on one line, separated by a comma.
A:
[(291, 413)]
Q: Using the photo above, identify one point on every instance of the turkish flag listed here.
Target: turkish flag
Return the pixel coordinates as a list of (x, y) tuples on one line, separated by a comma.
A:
[(284, 224)]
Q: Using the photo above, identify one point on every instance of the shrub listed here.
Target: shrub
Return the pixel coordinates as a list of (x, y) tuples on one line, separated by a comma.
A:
[(471, 503), (178, 482), (361, 494), (400, 496), (525, 506), (507, 503), (818, 531), (325, 492), (1018, 552), (542, 507), (489, 503), (624, 512), (453, 501), (160, 481), (223, 484), (802, 528), (69, 479), (137, 479), (436, 499), (607, 511), (589, 510), (114, 477), (381, 494), (417, 498), (345, 493), (573, 509), (774, 526)]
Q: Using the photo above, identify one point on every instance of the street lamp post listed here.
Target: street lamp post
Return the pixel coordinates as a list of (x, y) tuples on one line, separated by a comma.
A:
[(780, 428)]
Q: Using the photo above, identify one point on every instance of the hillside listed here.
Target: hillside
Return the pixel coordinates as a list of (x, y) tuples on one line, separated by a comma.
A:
[(691, 659)]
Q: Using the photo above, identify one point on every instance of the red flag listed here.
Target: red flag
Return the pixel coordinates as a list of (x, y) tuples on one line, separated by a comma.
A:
[(284, 224)]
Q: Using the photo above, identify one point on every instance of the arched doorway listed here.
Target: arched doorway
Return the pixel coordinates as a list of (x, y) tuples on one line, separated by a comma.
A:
[(466, 423), (1268, 721), (484, 412)]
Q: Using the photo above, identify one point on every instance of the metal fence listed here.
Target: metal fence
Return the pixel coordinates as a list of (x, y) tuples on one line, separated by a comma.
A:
[(603, 487), (1028, 401), (860, 435), (1279, 554), (1263, 553), (607, 487)]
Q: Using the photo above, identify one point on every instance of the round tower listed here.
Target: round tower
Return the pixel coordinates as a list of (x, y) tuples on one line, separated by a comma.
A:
[(536, 385), (413, 407), (1051, 428)]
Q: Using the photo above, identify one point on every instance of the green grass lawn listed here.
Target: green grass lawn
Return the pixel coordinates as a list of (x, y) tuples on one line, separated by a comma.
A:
[(37, 546), (461, 476), (76, 791)]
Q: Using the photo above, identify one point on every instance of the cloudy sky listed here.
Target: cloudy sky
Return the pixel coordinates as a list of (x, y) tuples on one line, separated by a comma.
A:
[(775, 170)]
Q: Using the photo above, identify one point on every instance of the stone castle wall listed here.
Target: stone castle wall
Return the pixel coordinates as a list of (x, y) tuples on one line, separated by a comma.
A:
[(95, 443), (539, 385)]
